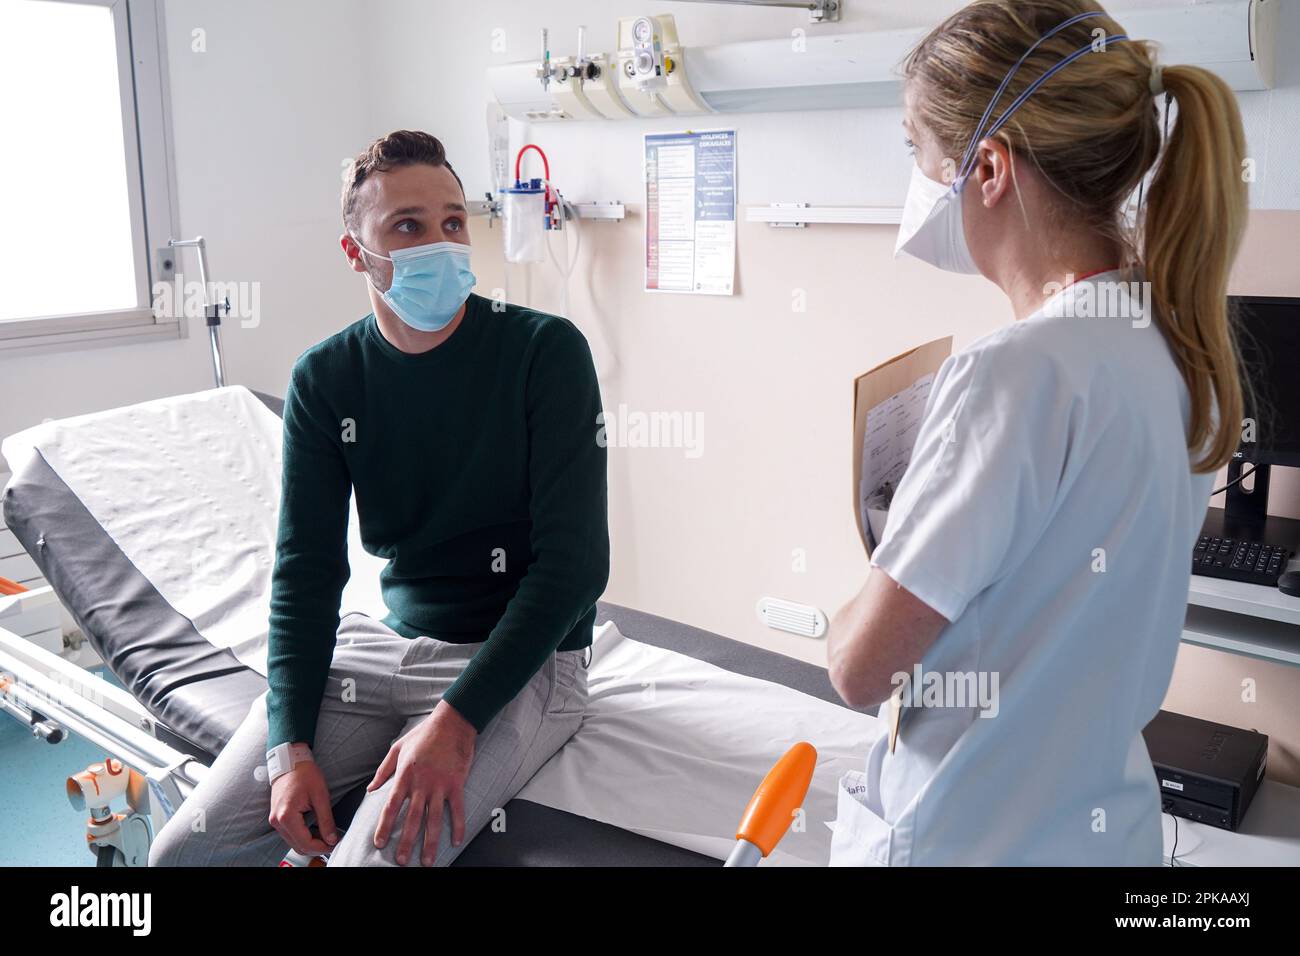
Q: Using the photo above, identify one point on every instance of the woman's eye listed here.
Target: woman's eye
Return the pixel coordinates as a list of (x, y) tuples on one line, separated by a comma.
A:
[(407, 225), (911, 146), (454, 225)]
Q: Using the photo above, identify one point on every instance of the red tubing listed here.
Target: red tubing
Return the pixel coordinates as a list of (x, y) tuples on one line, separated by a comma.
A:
[(546, 165), (519, 161)]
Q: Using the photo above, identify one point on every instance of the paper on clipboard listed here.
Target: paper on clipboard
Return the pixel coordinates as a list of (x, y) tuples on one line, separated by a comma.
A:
[(888, 405)]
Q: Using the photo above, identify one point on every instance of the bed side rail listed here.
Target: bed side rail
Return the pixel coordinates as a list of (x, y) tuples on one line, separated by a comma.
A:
[(52, 696)]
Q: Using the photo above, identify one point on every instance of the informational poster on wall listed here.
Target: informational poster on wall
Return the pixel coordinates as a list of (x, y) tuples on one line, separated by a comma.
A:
[(690, 222)]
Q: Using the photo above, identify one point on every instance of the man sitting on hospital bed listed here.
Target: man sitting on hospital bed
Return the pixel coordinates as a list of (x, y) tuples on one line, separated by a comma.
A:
[(467, 430)]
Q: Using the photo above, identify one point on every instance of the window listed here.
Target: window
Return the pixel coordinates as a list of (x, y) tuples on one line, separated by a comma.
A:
[(85, 171)]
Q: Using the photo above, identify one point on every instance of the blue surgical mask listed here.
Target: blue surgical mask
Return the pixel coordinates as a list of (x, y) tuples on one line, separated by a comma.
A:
[(430, 283)]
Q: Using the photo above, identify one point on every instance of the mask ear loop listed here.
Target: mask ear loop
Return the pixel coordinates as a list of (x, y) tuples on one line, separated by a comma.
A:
[(369, 253), (967, 157), (1019, 101), (1033, 87), (968, 163), (1029, 91)]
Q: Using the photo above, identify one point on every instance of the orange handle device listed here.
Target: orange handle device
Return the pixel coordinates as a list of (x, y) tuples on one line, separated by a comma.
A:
[(773, 805)]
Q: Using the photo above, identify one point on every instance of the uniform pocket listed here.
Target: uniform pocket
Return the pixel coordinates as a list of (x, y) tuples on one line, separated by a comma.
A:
[(861, 837)]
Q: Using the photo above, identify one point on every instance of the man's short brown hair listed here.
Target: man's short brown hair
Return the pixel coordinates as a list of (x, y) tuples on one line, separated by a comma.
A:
[(405, 147)]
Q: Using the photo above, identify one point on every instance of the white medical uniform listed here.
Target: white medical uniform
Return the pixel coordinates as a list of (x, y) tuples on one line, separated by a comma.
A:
[(1047, 448)]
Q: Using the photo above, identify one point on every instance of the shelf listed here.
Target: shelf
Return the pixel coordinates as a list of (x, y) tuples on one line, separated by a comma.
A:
[(1269, 835), (605, 211), (1237, 633), (1252, 600), (1240, 618)]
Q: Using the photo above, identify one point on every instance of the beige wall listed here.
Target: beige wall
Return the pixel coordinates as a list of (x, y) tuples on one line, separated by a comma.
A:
[(702, 539)]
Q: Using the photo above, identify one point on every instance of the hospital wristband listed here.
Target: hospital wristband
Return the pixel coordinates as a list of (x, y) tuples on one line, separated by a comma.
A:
[(282, 758)]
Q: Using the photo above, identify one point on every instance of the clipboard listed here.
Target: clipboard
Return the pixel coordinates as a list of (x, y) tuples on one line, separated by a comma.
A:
[(872, 390)]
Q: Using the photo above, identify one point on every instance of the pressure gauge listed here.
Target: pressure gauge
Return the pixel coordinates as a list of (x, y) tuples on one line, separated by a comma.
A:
[(647, 64)]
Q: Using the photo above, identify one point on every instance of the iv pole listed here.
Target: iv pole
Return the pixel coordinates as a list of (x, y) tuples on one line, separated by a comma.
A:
[(212, 311)]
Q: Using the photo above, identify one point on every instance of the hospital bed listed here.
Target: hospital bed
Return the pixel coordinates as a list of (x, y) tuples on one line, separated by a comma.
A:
[(117, 511)]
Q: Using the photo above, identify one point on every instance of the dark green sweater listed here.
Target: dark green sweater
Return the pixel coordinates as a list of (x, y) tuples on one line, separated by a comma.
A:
[(477, 474)]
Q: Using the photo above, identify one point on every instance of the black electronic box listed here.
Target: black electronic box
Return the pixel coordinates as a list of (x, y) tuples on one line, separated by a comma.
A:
[(1207, 772)]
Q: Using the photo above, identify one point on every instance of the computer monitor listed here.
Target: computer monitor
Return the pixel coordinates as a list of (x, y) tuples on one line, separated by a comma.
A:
[(1269, 340)]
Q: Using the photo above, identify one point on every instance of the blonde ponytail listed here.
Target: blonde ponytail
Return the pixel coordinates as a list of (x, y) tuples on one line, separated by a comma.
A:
[(1193, 222)]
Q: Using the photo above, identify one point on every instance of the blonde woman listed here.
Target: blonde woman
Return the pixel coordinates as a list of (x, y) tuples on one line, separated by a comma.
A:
[(1032, 579)]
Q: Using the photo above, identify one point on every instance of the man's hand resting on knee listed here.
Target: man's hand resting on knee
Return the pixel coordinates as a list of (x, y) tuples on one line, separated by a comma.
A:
[(429, 764), (295, 792)]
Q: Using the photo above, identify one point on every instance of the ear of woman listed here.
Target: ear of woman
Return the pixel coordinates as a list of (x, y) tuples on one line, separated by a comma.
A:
[(994, 171)]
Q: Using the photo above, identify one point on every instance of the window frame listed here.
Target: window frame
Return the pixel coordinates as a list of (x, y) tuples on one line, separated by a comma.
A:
[(140, 33)]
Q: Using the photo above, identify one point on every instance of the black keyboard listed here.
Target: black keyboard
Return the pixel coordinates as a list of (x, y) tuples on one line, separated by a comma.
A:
[(1238, 560)]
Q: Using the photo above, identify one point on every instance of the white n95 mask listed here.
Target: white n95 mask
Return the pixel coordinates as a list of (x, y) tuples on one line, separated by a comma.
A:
[(932, 228)]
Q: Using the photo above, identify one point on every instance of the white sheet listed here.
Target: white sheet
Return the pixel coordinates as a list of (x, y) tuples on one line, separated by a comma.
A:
[(673, 748), (200, 526)]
